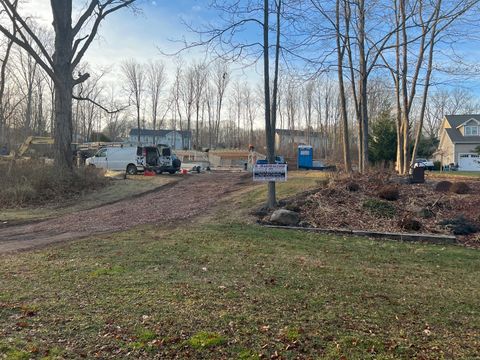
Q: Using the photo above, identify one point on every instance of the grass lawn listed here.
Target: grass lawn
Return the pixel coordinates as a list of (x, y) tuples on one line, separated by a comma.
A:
[(455, 174), (229, 289), (298, 181)]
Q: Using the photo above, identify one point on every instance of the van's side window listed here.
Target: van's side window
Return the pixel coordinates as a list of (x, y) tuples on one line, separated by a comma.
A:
[(102, 153)]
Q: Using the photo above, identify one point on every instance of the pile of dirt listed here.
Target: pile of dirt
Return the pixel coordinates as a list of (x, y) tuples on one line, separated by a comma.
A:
[(387, 203)]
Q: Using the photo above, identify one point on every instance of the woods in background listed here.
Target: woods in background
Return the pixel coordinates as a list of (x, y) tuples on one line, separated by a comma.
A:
[(353, 74)]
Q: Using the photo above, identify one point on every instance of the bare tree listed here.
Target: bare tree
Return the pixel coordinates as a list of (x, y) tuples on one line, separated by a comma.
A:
[(236, 104), (291, 102), (134, 74), (251, 105), (116, 123), (221, 78), (199, 73), (225, 42), (341, 47), (176, 99), (156, 79), (418, 27), (3, 78), (72, 41), (26, 71)]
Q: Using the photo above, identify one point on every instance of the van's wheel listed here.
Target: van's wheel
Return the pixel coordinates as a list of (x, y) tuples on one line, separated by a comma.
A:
[(171, 172), (131, 169)]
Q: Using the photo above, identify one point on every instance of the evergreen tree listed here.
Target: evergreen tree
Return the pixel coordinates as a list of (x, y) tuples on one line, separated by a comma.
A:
[(383, 139)]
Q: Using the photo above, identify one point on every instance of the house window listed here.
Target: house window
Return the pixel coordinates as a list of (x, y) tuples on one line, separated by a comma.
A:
[(471, 130)]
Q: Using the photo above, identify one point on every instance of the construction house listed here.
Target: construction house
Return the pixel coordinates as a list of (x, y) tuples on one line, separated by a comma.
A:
[(286, 140)]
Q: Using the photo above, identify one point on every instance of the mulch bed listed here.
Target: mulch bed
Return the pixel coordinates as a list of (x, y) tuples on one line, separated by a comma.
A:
[(335, 205)]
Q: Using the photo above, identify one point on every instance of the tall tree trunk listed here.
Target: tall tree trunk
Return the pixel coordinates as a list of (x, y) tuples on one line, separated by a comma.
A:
[(427, 83), (404, 90), (396, 80), (343, 102), (362, 88), (62, 15), (269, 131), (138, 122), (196, 125)]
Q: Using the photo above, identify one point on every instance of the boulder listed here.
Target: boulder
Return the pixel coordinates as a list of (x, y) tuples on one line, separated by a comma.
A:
[(285, 217)]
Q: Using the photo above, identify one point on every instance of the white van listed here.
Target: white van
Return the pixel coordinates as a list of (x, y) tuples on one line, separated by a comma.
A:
[(130, 159)]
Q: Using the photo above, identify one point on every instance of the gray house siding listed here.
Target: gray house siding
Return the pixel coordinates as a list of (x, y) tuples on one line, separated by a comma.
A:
[(174, 138)]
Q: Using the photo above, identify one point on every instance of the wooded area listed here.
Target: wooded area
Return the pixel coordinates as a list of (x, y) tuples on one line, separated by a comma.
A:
[(345, 70)]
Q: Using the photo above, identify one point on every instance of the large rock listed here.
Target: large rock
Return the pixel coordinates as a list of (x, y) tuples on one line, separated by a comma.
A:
[(285, 217)]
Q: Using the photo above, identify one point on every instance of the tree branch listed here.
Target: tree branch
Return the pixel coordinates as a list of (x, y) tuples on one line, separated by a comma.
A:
[(81, 98)]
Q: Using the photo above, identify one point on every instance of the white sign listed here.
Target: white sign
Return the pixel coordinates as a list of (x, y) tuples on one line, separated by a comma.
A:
[(270, 172)]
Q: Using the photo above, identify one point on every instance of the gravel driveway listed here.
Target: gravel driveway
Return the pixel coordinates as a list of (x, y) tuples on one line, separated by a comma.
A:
[(179, 201)]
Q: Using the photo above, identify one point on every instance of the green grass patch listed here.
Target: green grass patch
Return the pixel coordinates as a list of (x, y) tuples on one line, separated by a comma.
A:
[(298, 181), (205, 339), (292, 334), (107, 271), (380, 208), (146, 335), (455, 174), (248, 355)]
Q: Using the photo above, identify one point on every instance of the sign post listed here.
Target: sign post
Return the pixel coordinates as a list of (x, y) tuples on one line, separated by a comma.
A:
[(270, 172)]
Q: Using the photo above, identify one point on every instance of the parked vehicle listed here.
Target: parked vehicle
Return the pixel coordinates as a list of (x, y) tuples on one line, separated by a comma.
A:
[(167, 161), (278, 160), (130, 159), (427, 164)]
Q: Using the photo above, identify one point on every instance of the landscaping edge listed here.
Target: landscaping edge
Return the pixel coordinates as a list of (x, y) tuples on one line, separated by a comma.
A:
[(430, 238)]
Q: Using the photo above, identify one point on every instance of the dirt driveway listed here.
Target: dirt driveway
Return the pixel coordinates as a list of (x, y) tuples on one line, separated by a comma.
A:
[(175, 202)]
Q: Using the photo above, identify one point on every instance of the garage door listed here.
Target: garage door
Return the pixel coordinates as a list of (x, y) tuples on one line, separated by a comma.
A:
[(469, 162)]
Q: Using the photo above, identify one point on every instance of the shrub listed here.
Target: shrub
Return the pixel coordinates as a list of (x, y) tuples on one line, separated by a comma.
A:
[(353, 186), (389, 193), (460, 188), (460, 225), (443, 186), (32, 182), (437, 165), (410, 224), (380, 208)]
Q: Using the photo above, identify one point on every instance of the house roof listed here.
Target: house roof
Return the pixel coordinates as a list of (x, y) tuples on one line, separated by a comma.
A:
[(457, 120), (295, 132), (454, 133), (159, 133)]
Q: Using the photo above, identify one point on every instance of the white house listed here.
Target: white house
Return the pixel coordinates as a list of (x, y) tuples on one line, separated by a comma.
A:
[(174, 138)]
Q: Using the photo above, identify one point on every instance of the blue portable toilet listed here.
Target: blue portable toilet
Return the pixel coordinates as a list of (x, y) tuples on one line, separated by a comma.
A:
[(305, 157)]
